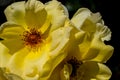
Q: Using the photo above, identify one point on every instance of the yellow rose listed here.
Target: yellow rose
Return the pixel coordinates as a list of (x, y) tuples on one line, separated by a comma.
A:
[(35, 38), (87, 50), (93, 32)]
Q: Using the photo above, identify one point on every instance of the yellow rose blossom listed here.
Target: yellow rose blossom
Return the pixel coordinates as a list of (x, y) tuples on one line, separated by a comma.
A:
[(92, 46), (35, 38), (40, 43), (87, 50)]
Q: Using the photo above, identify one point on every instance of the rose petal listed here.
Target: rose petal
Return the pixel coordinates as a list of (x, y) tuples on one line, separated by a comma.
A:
[(104, 51), (57, 12), (16, 62), (11, 33), (92, 70), (35, 14), (80, 16), (4, 55), (57, 52), (16, 12)]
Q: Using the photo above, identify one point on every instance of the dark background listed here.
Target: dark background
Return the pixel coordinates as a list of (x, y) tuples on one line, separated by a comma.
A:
[(109, 10)]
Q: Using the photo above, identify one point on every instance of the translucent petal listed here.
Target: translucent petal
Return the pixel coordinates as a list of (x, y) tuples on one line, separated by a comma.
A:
[(103, 31), (86, 20), (36, 14), (11, 33), (88, 26), (4, 55), (95, 17), (80, 16), (57, 13), (16, 12)]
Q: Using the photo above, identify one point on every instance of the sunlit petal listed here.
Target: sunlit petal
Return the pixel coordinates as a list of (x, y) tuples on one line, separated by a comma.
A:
[(86, 20), (103, 32), (80, 16), (16, 12), (57, 12), (35, 14)]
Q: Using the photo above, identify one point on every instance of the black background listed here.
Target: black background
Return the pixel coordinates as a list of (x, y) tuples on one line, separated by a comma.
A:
[(109, 10)]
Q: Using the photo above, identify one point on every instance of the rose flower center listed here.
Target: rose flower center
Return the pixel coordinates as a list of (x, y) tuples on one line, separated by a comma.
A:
[(75, 65), (32, 38)]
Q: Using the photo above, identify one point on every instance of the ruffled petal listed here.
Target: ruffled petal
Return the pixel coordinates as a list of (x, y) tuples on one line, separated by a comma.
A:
[(93, 46), (80, 16), (105, 51), (11, 35), (103, 32), (35, 14), (95, 50), (85, 20), (16, 12), (57, 12)]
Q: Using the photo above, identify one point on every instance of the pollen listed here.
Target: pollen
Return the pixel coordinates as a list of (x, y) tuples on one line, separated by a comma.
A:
[(32, 37), (75, 65)]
